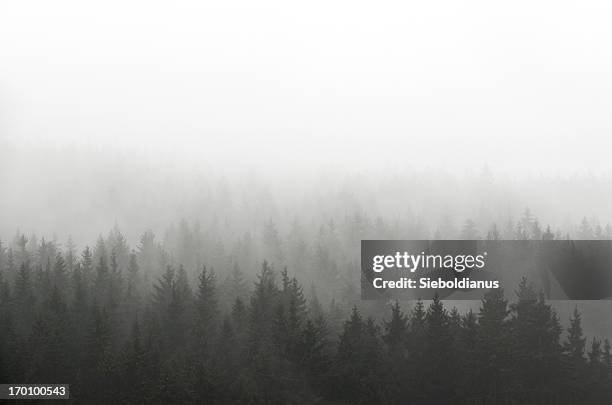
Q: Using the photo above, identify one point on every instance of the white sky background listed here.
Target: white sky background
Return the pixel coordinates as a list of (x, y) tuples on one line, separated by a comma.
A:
[(103, 105), (340, 83)]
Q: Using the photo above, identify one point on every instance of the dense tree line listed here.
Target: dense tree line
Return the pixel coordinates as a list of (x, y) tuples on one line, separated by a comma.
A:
[(102, 321)]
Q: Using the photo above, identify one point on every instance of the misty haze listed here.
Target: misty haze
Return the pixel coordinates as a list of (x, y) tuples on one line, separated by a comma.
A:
[(184, 190)]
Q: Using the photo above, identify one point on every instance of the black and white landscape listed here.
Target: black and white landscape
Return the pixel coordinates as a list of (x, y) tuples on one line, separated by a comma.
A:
[(184, 189)]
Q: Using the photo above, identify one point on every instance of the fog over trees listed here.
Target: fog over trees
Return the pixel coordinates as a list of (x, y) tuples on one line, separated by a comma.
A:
[(133, 279), (183, 190), (127, 326)]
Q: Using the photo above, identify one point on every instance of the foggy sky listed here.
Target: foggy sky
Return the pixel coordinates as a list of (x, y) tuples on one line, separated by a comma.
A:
[(114, 93), (348, 81)]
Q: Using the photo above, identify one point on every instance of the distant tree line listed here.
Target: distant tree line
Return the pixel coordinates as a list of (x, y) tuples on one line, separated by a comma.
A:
[(118, 332)]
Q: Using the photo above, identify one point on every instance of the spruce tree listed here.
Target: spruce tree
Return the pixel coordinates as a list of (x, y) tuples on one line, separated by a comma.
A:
[(396, 329)]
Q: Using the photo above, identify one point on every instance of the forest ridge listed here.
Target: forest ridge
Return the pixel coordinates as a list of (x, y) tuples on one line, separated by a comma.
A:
[(122, 325)]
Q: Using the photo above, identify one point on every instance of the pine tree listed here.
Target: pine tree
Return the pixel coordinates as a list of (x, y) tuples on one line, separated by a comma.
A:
[(574, 349), (313, 349), (239, 316), (12, 351), (133, 285), (468, 383), (595, 352), (100, 251), (5, 291), (238, 285), (25, 300), (135, 381), (115, 282), (264, 299), (118, 247), (70, 253), (358, 359), (182, 284), (417, 341), (396, 329), (295, 304), (79, 288), (163, 290), (272, 244), (226, 365), (102, 280), (60, 274), (335, 319), (23, 284), (536, 350), (492, 343), (23, 255), (147, 253), (266, 361), (397, 364), (315, 310), (206, 306), (575, 344), (440, 362), (98, 369), (87, 266)]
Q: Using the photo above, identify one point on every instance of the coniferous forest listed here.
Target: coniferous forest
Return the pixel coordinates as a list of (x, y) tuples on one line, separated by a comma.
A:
[(159, 324), (189, 192)]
